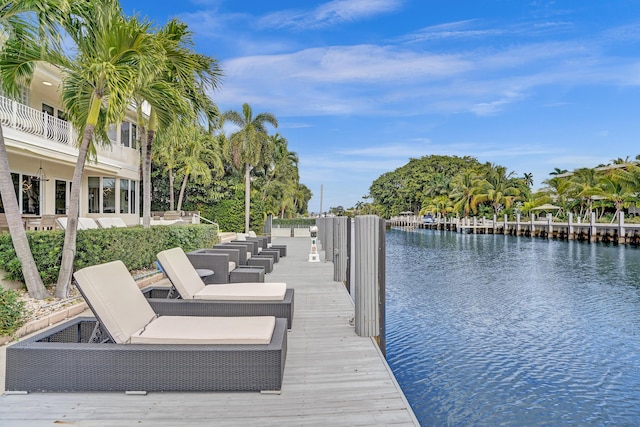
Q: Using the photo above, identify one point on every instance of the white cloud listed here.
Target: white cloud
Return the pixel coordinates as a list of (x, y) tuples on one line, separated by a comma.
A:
[(328, 14)]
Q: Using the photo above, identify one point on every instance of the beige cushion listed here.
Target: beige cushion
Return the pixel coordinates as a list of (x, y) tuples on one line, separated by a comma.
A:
[(206, 330), (248, 254), (241, 237), (87, 224), (259, 249), (115, 299), (252, 234), (232, 265), (181, 272), (250, 291)]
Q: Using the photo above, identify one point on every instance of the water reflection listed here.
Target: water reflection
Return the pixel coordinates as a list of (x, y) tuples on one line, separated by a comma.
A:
[(502, 330)]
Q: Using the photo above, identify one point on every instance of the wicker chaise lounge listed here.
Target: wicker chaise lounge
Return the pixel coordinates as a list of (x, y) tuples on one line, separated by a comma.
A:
[(130, 348), (230, 299)]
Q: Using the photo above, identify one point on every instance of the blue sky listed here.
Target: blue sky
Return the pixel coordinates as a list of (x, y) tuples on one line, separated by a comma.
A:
[(361, 86)]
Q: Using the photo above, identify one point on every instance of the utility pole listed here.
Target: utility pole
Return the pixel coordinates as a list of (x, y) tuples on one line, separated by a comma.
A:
[(321, 188)]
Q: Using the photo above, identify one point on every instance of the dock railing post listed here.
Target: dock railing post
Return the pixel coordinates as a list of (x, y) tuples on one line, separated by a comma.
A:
[(495, 223), (592, 227), (570, 228), (504, 227), (369, 266), (549, 226), (328, 243), (340, 254), (621, 232), (517, 224), (533, 218)]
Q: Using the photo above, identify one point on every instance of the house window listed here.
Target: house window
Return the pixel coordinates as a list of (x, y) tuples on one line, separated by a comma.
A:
[(94, 194), (108, 195), (124, 196), (132, 197), (128, 134), (62, 189), (112, 133), (28, 191)]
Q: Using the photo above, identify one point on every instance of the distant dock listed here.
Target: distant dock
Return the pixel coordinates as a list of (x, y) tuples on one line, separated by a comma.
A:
[(592, 232)]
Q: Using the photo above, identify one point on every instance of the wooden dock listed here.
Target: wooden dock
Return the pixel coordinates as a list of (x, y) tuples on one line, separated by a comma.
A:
[(332, 376), (546, 228)]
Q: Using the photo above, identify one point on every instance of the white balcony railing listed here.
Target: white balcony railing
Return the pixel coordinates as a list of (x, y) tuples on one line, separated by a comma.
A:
[(20, 117)]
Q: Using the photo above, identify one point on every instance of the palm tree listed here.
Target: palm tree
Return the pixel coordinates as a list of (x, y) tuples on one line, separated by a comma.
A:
[(499, 189), (112, 54), (558, 171), (21, 39), (465, 186), (528, 179), (245, 147), (198, 158), (178, 90)]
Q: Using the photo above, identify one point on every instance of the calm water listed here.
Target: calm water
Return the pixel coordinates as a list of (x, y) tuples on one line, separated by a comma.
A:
[(501, 330)]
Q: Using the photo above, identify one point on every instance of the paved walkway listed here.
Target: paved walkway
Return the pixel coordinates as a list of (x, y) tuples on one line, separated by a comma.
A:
[(332, 376)]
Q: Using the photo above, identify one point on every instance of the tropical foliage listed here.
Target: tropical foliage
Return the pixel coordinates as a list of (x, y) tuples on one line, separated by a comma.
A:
[(454, 186), (112, 62)]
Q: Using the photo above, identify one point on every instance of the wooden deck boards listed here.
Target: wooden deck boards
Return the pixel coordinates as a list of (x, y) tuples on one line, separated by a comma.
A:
[(332, 376)]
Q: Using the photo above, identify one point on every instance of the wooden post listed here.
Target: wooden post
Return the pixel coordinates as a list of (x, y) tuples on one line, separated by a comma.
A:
[(328, 243), (340, 254), (570, 229), (369, 266), (504, 229), (495, 223), (533, 227), (549, 226), (517, 224), (621, 232), (592, 228)]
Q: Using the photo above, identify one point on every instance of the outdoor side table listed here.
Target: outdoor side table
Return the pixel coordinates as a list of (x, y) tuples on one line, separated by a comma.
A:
[(247, 274)]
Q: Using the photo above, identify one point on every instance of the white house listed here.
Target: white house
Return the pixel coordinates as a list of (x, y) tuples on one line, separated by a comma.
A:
[(42, 155)]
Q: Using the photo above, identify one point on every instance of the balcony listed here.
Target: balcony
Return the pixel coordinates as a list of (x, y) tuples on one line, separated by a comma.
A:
[(14, 115), (59, 135)]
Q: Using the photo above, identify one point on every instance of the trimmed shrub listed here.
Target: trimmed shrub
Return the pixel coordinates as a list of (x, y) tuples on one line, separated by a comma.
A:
[(135, 246), (12, 315)]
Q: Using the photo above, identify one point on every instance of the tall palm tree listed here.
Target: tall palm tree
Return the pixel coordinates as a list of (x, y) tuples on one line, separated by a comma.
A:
[(465, 186), (500, 190), (245, 147), (112, 52), (178, 90), (198, 158), (20, 39)]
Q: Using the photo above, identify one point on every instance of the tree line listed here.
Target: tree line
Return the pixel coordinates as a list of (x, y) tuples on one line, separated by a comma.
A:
[(455, 186), (109, 62)]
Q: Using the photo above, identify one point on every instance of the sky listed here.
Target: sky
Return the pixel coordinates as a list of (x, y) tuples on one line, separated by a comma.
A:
[(359, 87)]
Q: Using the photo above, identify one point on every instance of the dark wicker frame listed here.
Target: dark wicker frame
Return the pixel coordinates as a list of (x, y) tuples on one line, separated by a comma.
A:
[(62, 359), (166, 306)]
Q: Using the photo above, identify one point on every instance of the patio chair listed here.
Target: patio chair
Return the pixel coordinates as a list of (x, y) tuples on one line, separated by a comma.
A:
[(250, 298), (111, 222), (130, 348)]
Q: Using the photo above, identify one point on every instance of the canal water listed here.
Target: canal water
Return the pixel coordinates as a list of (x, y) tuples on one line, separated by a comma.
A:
[(493, 330)]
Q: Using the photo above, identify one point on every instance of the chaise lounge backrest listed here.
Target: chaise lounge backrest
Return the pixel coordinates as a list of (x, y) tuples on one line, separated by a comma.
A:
[(111, 222), (115, 299), (181, 272)]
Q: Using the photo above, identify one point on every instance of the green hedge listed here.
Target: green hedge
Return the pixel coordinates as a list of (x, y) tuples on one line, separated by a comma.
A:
[(135, 246), (11, 312), (229, 215)]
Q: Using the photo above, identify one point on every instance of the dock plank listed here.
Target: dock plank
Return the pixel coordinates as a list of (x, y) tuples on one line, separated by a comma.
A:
[(332, 376)]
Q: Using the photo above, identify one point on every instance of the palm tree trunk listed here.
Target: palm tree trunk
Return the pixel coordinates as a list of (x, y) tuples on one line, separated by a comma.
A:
[(247, 196), (182, 189), (146, 183), (146, 197), (171, 196), (32, 278), (71, 232)]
